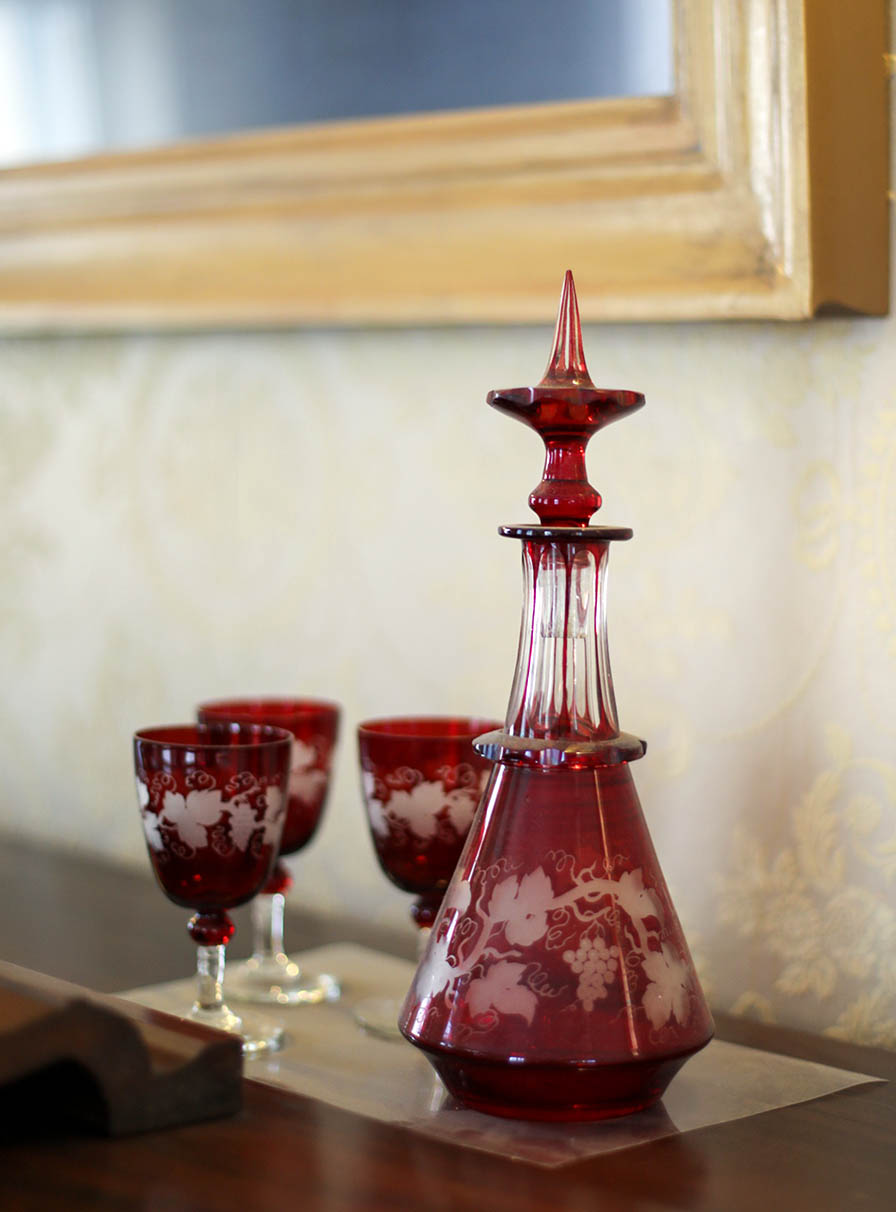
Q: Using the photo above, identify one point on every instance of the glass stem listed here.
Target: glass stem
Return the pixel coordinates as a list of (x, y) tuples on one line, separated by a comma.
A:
[(278, 905), (210, 977), (267, 926)]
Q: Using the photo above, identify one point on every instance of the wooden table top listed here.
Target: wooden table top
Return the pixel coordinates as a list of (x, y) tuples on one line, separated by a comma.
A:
[(108, 928)]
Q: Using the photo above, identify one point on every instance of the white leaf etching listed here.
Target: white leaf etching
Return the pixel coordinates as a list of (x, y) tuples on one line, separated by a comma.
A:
[(302, 756), (637, 901), (273, 802), (376, 809), (424, 808), (307, 785), (531, 919), (503, 897), (458, 897), (500, 989), (273, 814), (523, 906), (418, 808), (149, 819), (192, 816), (435, 972), (152, 831), (376, 812), (461, 808), (667, 994)]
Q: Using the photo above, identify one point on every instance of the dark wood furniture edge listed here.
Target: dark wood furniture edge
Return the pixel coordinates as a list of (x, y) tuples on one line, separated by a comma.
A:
[(105, 1063)]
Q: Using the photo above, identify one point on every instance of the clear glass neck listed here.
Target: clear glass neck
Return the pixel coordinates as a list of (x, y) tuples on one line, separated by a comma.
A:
[(563, 687)]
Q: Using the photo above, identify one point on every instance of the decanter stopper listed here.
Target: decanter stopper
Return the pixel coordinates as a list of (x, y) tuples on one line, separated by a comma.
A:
[(565, 408)]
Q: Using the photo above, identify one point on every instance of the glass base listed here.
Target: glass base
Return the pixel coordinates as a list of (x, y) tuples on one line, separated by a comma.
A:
[(378, 1016), (278, 980), (554, 1092), (259, 1036)]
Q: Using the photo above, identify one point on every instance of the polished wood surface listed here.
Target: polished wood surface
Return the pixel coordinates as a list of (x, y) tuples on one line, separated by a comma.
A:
[(758, 190), (109, 929)]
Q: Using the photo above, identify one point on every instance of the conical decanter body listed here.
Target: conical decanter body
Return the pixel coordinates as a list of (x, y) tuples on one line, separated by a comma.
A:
[(557, 983)]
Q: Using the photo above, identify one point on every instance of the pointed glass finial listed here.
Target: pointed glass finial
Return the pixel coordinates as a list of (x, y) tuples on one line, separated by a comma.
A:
[(567, 361), (565, 408)]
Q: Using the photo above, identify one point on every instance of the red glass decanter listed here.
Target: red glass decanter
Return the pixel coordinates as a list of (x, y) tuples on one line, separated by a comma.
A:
[(557, 983)]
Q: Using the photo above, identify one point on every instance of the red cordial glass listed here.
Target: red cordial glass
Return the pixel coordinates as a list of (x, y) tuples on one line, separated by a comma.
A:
[(421, 781), (212, 808), (557, 983), (271, 974)]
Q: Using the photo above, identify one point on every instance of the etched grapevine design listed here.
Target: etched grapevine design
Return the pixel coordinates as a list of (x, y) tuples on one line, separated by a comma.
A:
[(499, 944)]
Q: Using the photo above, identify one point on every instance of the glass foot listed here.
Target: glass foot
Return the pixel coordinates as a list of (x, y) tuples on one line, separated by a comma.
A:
[(259, 1036), (378, 1016), (277, 980)]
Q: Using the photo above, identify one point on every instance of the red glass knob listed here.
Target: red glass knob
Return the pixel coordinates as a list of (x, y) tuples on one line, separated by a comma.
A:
[(213, 929)]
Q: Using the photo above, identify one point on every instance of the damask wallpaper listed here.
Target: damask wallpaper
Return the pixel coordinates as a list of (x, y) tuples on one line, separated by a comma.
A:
[(316, 512)]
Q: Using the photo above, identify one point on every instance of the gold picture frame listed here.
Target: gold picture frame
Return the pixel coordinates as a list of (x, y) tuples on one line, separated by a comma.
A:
[(758, 190)]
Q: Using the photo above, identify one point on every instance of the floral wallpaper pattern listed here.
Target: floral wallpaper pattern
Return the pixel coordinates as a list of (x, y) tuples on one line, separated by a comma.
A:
[(192, 516)]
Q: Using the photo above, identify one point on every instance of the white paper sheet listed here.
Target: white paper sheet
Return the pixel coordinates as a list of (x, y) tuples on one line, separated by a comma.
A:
[(328, 1056)]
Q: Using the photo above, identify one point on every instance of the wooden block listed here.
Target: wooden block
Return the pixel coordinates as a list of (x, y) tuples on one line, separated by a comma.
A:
[(71, 1058)]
